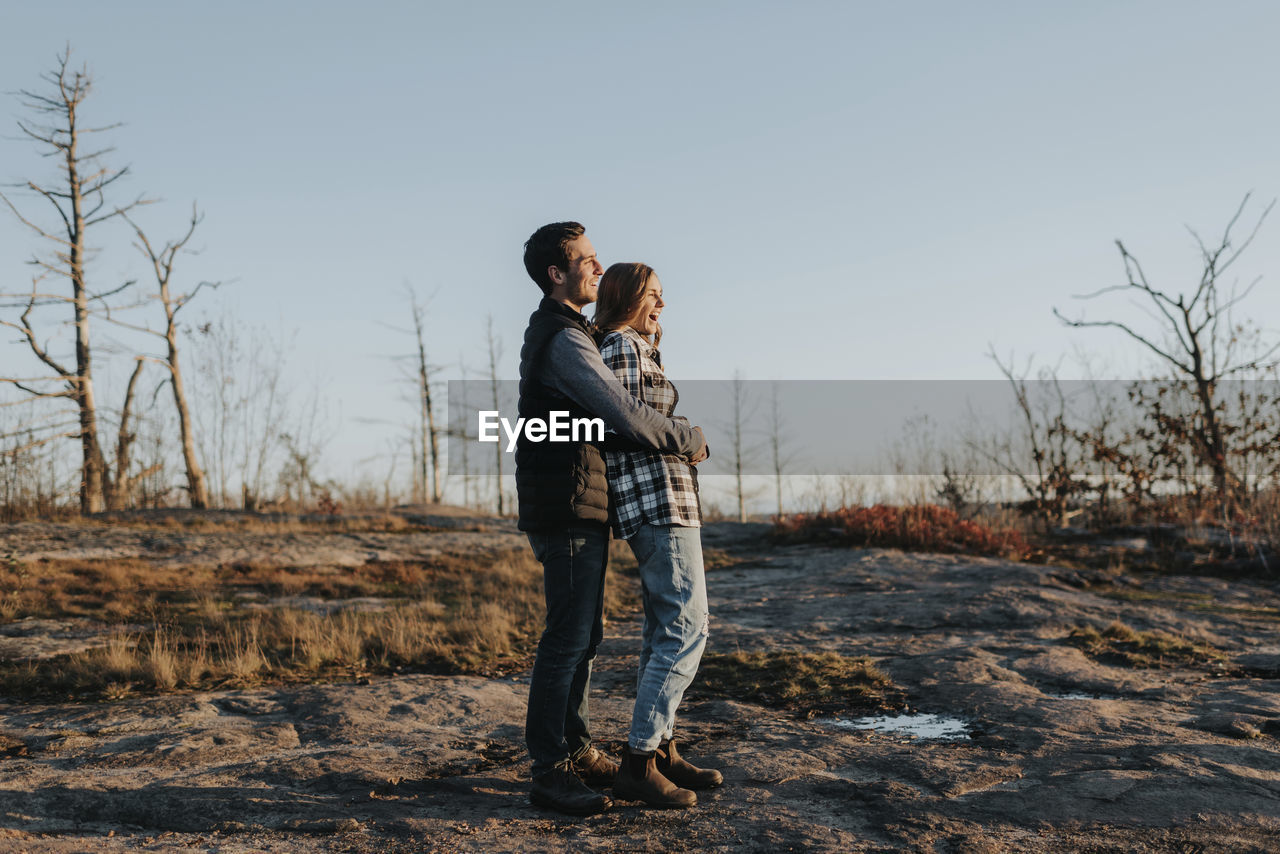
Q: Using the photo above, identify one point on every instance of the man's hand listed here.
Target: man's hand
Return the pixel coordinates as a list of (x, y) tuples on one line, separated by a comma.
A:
[(703, 451)]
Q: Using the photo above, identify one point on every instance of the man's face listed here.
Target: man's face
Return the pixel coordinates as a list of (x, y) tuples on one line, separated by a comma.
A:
[(577, 286)]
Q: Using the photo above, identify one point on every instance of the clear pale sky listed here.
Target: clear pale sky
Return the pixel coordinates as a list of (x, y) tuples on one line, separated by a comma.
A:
[(842, 190)]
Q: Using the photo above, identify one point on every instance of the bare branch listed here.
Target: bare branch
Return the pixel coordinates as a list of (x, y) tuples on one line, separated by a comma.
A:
[(52, 379), (136, 203), (103, 296), (100, 130), (181, 301), (1257, 363), (1108, 289), (34, 394), (135, 327), (42, 441), (49, 424), (53, 198), (1162, 300), (1082, 324), (48, 298), (29, 224), (29, 334), (1226, 237)]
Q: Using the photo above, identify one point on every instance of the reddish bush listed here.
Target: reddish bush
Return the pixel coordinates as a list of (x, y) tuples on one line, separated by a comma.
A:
[(326, 504), (922, 527)]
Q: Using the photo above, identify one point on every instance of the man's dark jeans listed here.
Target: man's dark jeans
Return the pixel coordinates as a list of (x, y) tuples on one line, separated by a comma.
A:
[(573, 564)]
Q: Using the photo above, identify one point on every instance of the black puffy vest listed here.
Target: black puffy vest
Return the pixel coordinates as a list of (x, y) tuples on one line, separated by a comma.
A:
[(557, 483)]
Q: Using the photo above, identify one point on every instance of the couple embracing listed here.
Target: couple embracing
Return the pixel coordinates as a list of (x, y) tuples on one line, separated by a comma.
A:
[(641, 482)]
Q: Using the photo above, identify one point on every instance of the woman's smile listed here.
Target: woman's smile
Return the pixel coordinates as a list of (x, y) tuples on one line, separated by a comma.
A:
[(651, 304)]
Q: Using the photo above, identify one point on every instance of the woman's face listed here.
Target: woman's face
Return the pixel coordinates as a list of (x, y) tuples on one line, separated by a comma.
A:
[(645, 320)]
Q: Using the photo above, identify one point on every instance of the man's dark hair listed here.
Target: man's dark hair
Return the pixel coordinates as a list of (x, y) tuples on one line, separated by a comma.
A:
[(547, 247)]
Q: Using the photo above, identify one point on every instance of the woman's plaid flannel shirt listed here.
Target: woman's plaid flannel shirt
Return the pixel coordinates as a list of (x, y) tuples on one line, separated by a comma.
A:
[(647, 486)]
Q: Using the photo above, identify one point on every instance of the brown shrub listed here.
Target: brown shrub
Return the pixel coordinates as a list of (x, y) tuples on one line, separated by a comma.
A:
[(1119, 644), (922, 527), (805, 682)]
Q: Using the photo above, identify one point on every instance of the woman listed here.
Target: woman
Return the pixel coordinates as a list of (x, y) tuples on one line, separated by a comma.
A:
[(654, 497)]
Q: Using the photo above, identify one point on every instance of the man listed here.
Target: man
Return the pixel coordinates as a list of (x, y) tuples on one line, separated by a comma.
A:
[(564, 508)]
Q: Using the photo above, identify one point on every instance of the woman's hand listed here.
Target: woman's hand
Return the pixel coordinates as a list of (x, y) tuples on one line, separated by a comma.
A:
[(703, 452)]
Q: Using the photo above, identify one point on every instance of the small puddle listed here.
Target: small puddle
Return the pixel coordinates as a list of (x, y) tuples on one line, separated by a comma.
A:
[(916, 726)]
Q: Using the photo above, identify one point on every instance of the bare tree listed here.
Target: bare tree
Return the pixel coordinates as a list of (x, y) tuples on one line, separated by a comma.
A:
[(387, 481), (125, 438), (157, 441), (428, 434), (304, 436), (242, 401), (495, 352), (1045, 440), (778, 453), (1202, 345), (741, 408), (29, 464), (461, 431), (79, 197), (162, 262)]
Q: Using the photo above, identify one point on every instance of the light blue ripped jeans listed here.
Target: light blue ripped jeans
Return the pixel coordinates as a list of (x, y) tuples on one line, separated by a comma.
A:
[(675, 626)]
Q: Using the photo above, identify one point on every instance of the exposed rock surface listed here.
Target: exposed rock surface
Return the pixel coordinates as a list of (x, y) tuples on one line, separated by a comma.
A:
[(299, 541), (1065, 754)]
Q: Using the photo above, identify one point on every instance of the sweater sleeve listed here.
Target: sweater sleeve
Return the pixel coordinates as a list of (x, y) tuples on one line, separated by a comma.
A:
[(620, 356), (574, 368)]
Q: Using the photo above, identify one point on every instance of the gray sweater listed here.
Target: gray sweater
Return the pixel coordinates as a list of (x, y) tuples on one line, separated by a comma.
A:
[(574, 368)]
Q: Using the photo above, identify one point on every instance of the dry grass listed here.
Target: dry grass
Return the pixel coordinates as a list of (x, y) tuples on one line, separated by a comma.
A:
[(448, 615), (114, 591), (241, 521), (804, 682), (1119, 644), (922, 527), (1186, 601)]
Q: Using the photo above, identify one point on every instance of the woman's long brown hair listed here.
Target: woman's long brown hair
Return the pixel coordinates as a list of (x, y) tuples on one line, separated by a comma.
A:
[(622, 288)]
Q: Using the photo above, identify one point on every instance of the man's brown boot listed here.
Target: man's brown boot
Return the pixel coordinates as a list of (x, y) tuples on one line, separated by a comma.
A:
[(672, 766), (638, 780), (594, 767)]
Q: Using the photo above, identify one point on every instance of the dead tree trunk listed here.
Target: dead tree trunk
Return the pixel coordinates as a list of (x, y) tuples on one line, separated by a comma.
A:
[(777, 444), (162, 266), (428, 434), (464, 406), (495, 350), (738, 445), (79, 198), (125, 436)]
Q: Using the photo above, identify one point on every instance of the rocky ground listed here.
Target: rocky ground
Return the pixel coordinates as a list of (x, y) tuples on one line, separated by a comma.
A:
[(1058, 750)]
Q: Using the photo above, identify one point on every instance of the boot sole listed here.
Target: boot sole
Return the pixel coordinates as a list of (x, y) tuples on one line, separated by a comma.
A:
[(551, 804), (662, 805), (701, 787)]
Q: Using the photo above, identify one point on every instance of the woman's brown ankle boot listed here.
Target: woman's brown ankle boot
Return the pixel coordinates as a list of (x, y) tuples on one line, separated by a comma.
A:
[(639, 780), (678, 771)]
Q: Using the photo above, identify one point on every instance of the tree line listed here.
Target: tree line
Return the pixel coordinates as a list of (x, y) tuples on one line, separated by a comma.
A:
[(1202, 428), (245, 436), (1195, 438)]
